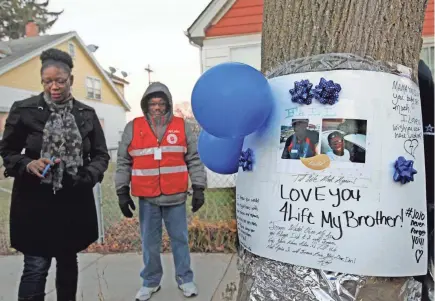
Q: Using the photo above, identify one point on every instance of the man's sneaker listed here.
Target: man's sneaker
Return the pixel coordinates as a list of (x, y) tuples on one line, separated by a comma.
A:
[(189, 289), (145, 293)]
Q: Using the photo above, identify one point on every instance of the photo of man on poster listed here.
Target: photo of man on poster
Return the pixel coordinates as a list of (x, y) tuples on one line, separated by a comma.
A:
[(337, 152), (344, 139), (302, 143)]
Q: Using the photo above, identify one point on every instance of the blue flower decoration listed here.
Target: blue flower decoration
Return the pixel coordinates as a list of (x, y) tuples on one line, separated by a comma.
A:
[(301, 92), (326, 92), (246, 160), (404, 170)]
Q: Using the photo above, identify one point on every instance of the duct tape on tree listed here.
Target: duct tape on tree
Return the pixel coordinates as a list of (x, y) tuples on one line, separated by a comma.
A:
[(338, 179)]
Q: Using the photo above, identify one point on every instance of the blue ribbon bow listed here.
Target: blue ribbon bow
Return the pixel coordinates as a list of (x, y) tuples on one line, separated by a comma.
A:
[(246, 160), (404, 170), (301, 92), (326, 92)]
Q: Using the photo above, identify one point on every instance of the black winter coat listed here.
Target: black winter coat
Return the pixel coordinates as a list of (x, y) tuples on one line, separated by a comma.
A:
[(43, 223), (426, 86)]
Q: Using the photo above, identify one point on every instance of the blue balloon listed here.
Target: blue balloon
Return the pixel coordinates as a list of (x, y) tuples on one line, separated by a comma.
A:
[(232, 100), (220, 155)]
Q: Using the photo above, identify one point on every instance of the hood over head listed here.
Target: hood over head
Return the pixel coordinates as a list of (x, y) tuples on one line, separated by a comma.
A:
[(156, 89)]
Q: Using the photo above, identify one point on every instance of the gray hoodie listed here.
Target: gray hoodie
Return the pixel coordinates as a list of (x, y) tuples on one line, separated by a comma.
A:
[(125, 161)]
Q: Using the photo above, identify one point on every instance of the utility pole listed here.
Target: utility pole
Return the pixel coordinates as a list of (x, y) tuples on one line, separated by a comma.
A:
[(149, 70), (388, 31)]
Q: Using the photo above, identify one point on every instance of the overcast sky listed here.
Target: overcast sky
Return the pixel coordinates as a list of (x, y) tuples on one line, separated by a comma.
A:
[(134, 33)]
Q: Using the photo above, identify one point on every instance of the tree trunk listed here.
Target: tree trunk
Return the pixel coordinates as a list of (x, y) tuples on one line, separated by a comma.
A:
[(385, 30)]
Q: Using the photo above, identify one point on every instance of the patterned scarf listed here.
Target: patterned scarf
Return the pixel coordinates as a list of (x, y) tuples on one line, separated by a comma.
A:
[(61, 139)]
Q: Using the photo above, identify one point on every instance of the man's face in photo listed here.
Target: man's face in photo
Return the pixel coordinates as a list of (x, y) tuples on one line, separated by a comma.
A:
[(301, 129), (337, 143)]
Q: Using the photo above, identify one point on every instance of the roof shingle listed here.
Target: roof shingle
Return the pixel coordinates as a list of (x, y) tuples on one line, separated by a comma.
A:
[(24, 46)]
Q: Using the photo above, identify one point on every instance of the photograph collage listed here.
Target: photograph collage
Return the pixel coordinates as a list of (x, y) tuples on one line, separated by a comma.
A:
[(342, 140)]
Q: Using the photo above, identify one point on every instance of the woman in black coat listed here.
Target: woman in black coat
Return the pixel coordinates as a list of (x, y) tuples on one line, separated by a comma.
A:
[(53, 214)]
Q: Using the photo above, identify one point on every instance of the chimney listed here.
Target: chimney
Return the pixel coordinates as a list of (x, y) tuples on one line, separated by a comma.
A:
[(32, 29)]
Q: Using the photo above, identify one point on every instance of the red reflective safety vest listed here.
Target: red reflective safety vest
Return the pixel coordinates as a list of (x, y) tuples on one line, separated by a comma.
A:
[(150, 176)]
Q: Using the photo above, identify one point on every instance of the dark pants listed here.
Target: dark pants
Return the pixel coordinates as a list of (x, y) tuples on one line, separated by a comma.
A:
[(34, 278)]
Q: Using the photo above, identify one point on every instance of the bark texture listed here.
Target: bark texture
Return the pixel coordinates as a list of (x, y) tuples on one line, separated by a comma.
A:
[(386, 30)]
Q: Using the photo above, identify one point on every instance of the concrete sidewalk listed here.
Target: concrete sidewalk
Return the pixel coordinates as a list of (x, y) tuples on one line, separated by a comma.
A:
[(116, 277)]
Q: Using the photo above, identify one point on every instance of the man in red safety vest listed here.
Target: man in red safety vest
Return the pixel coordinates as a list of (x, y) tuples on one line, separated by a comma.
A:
[(156, 156)]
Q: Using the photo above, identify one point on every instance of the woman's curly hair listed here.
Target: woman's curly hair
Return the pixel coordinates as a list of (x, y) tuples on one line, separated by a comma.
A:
[(58, 58)]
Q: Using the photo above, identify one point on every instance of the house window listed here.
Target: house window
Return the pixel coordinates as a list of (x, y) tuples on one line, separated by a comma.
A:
[(72, 49), (427, 55), (93, 88)]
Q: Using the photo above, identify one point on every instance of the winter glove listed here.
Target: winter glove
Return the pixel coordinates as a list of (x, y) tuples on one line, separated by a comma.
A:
[(83, 178), (125, 202), (197, 198)]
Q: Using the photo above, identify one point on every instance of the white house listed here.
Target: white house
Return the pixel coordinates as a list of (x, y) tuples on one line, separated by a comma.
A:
[(228, 31)]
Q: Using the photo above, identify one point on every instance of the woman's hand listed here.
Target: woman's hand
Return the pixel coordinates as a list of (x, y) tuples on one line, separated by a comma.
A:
[(36, 167)]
